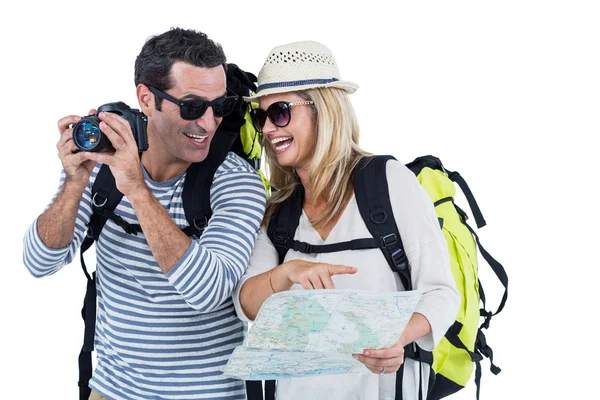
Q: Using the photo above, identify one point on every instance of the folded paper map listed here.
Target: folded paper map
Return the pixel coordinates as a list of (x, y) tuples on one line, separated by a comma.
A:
[(315, 332)]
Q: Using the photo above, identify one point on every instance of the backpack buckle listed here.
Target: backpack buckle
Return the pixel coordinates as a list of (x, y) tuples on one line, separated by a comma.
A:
[(202, 224), (255, 163), (389, 240), (129, 229), (463, 214), (399, 258), (488, 318), (280, 237), (304, 247)]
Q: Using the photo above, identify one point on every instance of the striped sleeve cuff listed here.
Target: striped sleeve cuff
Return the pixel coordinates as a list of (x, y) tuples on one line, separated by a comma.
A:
[(40, 259), (195, 277)]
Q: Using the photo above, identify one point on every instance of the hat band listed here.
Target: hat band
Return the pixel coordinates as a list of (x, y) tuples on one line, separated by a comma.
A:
[(295, 83)]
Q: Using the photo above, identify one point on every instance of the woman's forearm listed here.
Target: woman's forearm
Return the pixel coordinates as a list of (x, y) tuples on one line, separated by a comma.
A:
[(257, 289)]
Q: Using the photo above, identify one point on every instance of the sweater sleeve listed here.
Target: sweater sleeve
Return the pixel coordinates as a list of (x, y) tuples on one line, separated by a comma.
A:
[(41, 260), (426, 250), (212, 266)]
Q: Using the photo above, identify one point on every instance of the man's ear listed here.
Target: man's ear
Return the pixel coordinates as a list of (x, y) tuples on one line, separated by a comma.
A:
[(145, 99)]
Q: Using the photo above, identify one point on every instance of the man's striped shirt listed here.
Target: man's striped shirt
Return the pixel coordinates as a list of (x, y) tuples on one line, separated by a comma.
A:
[(167, 336)]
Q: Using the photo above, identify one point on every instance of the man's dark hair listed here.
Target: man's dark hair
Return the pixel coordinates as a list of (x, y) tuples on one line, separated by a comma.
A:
[(160, 52)]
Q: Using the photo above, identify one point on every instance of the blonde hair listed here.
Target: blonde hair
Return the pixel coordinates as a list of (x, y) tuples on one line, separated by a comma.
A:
[(336, 154)]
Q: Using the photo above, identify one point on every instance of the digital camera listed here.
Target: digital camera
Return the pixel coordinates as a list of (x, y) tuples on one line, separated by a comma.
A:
[(88, 136)]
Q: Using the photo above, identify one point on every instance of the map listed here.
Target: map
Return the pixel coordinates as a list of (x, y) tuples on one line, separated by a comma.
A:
[(315, 332)]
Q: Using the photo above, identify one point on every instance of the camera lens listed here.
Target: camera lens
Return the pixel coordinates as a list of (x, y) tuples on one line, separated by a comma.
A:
[(88, 136)]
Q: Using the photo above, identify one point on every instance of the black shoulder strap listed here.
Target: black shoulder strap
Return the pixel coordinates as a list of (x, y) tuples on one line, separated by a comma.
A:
[(196, 196), (456, 177), (198, 181), (284, 222), (105, 198), (373, 200), (281, 230)]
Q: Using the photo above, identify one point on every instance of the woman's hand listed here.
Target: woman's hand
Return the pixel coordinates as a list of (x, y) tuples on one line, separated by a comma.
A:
[(309, 274), (383, 361)]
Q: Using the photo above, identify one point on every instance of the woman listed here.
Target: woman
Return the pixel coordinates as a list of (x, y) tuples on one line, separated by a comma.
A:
[(312, 139)]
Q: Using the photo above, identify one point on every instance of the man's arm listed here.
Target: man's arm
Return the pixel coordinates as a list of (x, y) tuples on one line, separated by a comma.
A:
[(166, 240), (203, 271), (212, 266), (56, 225), (54, 237), (206, 271)]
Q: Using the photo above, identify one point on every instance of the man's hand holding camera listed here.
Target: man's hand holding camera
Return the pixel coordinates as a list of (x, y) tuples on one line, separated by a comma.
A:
[(124, 162), (76, 165)]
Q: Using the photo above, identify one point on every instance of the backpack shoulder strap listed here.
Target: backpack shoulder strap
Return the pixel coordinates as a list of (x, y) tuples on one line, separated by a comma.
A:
[(198, 181), (105, 198), (196, 197), (373, 199), (281, 231), (284, 222)]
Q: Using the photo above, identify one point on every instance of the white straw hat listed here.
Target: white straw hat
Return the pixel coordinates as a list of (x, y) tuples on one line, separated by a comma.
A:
[(299, 66)]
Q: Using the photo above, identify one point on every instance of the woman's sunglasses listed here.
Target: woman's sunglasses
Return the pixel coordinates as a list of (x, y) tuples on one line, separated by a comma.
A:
[(195, 109), (280, 114)]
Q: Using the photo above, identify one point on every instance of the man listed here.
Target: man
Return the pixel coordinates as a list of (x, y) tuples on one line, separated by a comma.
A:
[(166, 324)]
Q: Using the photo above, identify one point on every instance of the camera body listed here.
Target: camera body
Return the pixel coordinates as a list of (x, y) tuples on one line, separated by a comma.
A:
[(87, 135)]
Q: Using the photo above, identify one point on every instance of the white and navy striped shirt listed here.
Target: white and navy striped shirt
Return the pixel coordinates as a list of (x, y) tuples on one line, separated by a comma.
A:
[(167, 336)]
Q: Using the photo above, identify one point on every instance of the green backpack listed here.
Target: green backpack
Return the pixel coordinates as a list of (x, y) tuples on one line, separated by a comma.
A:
[(464, 345)]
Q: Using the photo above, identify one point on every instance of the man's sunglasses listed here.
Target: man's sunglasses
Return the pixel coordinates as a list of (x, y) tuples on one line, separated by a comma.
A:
[(280, 114), (194, 109)]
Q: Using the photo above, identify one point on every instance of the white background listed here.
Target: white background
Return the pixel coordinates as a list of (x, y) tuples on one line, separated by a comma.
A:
[(506, 92)]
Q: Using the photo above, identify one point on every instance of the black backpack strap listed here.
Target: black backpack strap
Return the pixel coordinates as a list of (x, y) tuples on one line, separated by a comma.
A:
[(269, 390), (254, 390), (196, 197), (456, 177), (105, 198), (281, 231), (502, 277), (356, 244), (283, 223), (496, 267), (373, 199), (198, 181), (88, 313), (414, 352)]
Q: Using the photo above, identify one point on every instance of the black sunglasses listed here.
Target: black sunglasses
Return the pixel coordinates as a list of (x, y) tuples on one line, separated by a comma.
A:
[(194, 109), (279, 113)]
